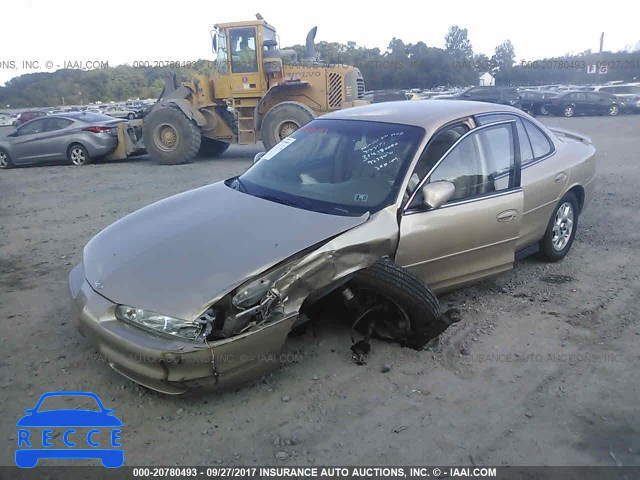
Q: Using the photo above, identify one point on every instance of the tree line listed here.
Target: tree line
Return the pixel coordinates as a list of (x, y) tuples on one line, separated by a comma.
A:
[(401, 65)]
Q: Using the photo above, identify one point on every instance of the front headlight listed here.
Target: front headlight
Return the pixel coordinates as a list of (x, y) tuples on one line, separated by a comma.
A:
[(157, 323)]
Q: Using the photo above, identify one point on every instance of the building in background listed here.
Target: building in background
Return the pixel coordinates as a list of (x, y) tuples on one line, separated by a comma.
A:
[(486, 80)]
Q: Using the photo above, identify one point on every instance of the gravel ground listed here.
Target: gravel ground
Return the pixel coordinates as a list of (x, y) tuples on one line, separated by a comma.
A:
[(543, 368)]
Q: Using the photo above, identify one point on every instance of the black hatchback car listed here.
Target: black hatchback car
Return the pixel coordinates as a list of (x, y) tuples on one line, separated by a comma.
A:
[(584, 103), (502, 95)]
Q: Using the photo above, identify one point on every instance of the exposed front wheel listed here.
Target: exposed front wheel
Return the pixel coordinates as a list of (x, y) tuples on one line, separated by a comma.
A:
[(561, 229), (170, 137), (614, 110), (395, 305), (282, 120), (569, 111)]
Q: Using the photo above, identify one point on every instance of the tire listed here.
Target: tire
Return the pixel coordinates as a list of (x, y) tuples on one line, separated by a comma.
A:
[(282, 120), (5, 161), (556, 243), (403, 289), (131, 116), (543, 110), (613, 110), (170, 137), (212, 148), (568, 111), (78, 155)]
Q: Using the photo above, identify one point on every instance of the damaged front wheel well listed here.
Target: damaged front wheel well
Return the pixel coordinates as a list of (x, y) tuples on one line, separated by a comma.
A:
[(388, 302)]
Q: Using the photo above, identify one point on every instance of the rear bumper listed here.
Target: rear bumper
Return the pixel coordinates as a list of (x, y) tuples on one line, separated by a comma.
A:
[(100, 144), (167, 365)]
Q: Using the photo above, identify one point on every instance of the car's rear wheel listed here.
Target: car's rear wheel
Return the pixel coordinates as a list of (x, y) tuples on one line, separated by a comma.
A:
[(561, 229), (131, 116), (396, 305), (5, 161), (78, 155), (568, 111), (543, 110), (613, 110)]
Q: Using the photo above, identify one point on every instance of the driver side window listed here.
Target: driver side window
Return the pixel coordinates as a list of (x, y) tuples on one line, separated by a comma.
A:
[(481, 163), (31, 128)]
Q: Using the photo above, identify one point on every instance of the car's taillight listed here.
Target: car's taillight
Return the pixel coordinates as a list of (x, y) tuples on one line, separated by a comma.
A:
[(100, 129)]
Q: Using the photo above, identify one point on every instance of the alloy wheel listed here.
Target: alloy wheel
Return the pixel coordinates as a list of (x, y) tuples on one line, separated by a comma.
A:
[(562, 226), (78, 157)]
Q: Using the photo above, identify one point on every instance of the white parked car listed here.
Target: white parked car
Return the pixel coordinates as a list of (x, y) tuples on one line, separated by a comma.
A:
[(6, 119)]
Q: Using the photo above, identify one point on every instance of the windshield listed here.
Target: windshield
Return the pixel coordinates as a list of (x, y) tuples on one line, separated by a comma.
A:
[(66, 402), (342, 167)]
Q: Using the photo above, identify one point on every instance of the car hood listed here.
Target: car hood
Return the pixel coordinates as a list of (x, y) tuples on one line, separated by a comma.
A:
[(176, 256)]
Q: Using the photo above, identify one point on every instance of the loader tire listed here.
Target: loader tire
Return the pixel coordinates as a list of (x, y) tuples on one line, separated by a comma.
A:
[(409, 313), (282, 120), (170, 137), (212, 148)]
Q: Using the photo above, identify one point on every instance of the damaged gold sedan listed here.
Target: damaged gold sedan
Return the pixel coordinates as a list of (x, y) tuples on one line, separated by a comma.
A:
[(375, 208)]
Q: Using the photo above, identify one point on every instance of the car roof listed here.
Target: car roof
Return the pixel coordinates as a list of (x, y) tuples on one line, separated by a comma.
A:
[(428, 114), (72, 115)]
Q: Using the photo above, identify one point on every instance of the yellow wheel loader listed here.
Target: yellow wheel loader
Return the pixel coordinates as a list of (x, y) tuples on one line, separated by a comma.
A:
[(256, 93)]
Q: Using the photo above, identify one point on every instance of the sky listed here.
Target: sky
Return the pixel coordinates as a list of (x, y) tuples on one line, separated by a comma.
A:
[(52, 32)]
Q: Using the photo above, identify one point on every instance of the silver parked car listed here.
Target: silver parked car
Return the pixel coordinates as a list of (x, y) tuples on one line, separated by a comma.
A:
[(6, 119), (121, 112), (78, 137)]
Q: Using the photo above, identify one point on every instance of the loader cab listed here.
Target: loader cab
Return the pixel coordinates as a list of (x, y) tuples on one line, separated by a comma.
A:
[(240, 50)]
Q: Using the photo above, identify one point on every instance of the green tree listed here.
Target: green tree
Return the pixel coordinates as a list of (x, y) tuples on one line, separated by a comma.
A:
[(457, 43), (503, 59)]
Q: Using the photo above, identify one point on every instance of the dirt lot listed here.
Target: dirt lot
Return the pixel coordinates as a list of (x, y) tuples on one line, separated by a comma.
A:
[(543, 369)]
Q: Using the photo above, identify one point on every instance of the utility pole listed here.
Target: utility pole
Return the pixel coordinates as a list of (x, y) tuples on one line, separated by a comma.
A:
[(599, 63)]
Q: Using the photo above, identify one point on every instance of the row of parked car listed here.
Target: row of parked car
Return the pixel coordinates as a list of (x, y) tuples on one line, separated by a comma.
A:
[(129, 111), (565, 100)]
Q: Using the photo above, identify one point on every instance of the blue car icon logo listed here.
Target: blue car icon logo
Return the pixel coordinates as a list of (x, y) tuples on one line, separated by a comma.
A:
[(65, 433)]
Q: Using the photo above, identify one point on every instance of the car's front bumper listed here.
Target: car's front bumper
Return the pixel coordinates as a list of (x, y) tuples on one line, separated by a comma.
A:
[(168, 365)]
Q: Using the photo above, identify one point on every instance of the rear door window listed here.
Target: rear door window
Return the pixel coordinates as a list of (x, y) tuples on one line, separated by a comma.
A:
[(54, 124), (540, 143), (526, 151)]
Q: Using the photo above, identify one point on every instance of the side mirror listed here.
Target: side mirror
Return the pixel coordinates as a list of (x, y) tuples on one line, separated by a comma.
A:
[(214, 42), (258, 156), (437, 194)]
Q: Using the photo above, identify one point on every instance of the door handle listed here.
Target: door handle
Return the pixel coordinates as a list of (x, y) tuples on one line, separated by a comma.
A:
[(507, 216), (561, 177)]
